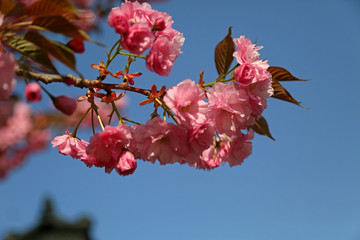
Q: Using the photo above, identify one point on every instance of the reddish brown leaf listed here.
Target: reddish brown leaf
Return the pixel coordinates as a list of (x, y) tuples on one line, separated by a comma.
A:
[(51, 8), (224, 54), (281, 74), (9, 8), (59, 24), (261, 127), (281, 93), (57, 50)]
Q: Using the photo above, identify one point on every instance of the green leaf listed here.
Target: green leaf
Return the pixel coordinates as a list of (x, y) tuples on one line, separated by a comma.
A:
[(261, 127), (224, 54), (31, 51), (56, 49), (281, 74), (59, 24)]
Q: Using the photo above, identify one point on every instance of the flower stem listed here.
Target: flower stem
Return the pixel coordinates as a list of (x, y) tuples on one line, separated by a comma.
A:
[(167, 110), (132, 55), (118, 43), (78, 125), (128, 120), (117, 113), (219, 79), (99, 118)]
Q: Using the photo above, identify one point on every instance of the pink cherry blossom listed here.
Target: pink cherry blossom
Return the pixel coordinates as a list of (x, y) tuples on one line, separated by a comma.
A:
[(69, 145), (159, 24), (119, 20), (127, 164), (33, 92), (162, 56), (229, 107), (12, 132), (65, 104), (240, 148), (106, 148), (8, 66), (214, 155), (186, 100), (200, 137), (138, 38), (158, 139), (245, 50)]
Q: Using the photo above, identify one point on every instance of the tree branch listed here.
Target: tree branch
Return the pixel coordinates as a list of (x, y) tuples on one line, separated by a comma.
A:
[(79, 82)]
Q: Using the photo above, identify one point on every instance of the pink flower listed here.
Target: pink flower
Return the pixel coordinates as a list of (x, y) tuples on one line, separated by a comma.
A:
[(161, 56), (229, 107), (138, 38), (200, 137), (245, 50), (159, 24), (106, 148), (119, 20), (240, 148), (8, 67), (69, 145), (158, 139), (127, 164), (214, 155), (186, 100), (33, 92), (65, 104), (13, 132)]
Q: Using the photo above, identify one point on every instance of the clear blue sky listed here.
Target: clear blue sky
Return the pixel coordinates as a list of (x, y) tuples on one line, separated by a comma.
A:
[(305, 185)]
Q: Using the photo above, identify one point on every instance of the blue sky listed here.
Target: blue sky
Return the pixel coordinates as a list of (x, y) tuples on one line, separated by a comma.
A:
[(304, 185)]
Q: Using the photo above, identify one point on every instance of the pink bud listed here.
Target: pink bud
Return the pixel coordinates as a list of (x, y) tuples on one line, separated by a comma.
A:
[(33, 92), (127, 164), (65, 104), (77, 45), (159, 25)]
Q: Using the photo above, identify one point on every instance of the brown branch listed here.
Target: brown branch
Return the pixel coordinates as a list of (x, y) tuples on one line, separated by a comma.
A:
[(79, 82)]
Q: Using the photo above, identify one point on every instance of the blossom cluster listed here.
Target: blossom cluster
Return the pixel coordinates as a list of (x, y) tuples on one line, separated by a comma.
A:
[(143, 28), (18, 140), (211, 124)]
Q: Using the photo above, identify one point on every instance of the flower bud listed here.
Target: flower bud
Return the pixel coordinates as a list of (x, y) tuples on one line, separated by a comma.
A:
[(127, 164), (65, 104), (33, 92), (77, 45), (159, 25)]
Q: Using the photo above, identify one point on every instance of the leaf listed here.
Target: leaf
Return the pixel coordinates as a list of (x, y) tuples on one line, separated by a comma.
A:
[(9, 8), (281, 74), (261, 127), (224, 54), (51, 8), (31, 51), (56, 49), (59, 24), (281, 93)]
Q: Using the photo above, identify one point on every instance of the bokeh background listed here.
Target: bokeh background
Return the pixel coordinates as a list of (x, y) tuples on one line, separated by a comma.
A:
[(304, 185)]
